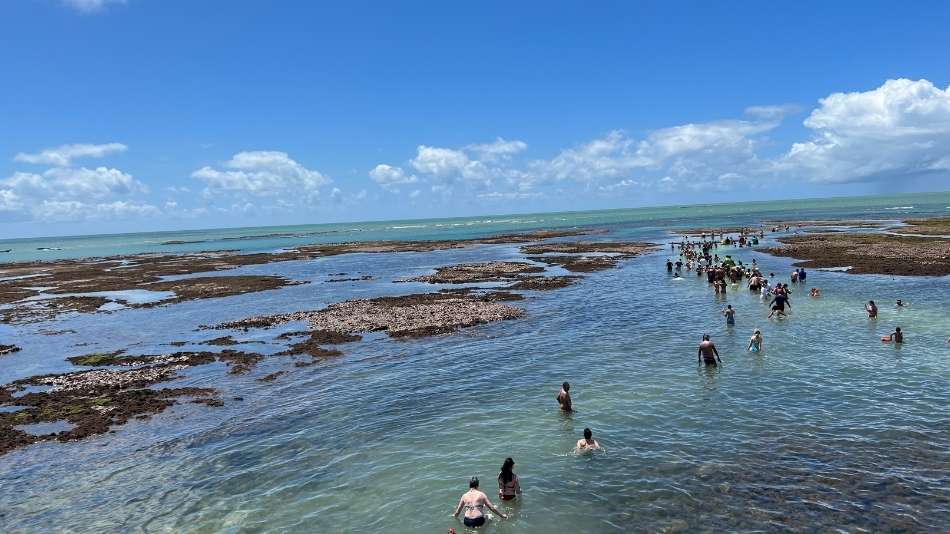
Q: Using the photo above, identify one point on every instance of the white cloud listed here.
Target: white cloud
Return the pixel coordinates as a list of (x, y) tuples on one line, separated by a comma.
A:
[(263, 173), (900, 129), (619, 186), (90, 6), (67, 193), (451, 165), (67, 182), (390, 178), (9, 201), (62, 156), (611, 156), (499, 149)]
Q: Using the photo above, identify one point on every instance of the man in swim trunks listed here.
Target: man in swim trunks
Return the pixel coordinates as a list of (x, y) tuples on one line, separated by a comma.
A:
[(707, 352), (730, 314), (871, 308), (564, 398), (669, 266)]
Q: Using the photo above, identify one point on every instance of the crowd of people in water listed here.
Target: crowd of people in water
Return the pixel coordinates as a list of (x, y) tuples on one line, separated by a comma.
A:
[(701, 257)]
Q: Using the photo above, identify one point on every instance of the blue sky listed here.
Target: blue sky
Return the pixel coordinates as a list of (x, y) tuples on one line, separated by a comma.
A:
[(165, 114)]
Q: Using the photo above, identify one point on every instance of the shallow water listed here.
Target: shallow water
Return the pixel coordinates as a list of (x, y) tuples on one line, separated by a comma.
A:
[(827, 428)]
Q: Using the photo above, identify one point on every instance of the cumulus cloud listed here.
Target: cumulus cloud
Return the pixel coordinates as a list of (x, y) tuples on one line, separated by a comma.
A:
[(66, 193), (390, 178), (902, 128), (611, 156), (68, 182), (499, 149), (90, 6), (62, 156), (262, 173)]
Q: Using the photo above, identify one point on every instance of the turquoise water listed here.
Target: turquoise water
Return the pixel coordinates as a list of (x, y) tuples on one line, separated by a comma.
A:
[(644, 220), (827, 429)]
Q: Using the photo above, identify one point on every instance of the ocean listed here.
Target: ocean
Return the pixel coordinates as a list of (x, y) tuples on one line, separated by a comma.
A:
[(826, 429)]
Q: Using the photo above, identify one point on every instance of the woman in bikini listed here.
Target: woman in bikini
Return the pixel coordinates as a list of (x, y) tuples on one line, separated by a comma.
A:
[(509, 486), (474, 503)]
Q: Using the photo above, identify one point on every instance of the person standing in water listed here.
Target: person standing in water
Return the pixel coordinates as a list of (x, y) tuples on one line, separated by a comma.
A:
[(509, 486), (871, 308), (730, 314), (755, 342), (588, 443), (778, 304), (707, 352), (474, 503), (564, 398), (896, 336)]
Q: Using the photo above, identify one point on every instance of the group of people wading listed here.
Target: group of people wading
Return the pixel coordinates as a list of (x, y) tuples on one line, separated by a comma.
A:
[(475, 501), (700, 256)]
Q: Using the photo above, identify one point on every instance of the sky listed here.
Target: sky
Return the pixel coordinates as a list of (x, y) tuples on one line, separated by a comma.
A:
[(135, 115)]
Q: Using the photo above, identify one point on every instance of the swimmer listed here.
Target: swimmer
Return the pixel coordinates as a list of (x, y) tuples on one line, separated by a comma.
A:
[(509, 486), (707, 352), (802, 275), (474, 502), (564, 398), (871, 308), (755, 342), (676, 276), (815, 292), (588, 443), (669, 266), (900, 304), (794, 277), (730, 314)]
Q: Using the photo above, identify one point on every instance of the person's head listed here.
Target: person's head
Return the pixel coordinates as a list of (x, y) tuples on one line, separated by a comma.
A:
[(565, 386), (871, 302), (705, 337), (729, 306), (473, 483), (588, 434), (898, 302), (757, 332), (506, 472), (898, 329)]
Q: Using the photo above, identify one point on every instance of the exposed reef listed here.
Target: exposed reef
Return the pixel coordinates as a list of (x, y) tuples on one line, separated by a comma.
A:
[(575, 256), (67, 283), (878, 253), (467, 273), (410, 315)]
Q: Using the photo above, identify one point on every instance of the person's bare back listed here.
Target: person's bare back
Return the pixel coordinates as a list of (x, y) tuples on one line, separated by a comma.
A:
[(564, 398)]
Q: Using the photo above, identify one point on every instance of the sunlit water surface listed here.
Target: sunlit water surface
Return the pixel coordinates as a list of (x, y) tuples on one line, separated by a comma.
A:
[(828, 428)]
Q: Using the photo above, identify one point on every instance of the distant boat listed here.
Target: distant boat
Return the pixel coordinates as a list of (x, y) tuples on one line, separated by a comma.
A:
[(6, 250), (48, 248)]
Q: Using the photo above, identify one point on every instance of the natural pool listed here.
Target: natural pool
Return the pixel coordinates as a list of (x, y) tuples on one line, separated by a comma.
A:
[(828, 428)]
